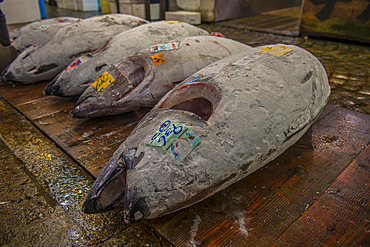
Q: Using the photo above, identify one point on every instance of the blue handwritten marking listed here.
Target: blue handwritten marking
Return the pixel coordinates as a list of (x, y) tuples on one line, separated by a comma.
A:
[(154, 137), (178, 132), (164, 140), (176, 139), (165, 126)]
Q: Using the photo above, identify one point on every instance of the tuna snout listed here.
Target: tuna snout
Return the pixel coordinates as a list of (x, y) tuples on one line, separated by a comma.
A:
[(109, 190), (7, 76), (111, 194), (53, 88)]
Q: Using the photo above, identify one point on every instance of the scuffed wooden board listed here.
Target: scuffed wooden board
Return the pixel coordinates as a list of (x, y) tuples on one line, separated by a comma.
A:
[(349, 19), (18, 94), (257, 210), (276, 24), (341, 216), (91, 142)]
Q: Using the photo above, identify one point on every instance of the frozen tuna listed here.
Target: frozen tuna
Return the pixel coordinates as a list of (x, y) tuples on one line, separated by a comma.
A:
[(84, 70), (38, 36), (17, 32), (46, 61), (144, 78), (216, 127)]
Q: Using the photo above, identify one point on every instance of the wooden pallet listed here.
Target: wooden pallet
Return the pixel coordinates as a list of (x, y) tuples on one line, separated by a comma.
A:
[(91, 142), (349, 19), (315, 193), (284, 21)]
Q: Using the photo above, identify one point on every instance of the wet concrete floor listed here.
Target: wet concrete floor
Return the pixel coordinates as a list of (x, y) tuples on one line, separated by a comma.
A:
[(39, 211)]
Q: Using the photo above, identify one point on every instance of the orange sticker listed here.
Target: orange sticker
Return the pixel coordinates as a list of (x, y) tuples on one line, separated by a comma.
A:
[(158, 59)]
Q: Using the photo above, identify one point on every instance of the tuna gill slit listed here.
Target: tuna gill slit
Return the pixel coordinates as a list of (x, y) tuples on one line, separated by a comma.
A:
[(100, 48), (139, 70), (134, 71), (198, 98)]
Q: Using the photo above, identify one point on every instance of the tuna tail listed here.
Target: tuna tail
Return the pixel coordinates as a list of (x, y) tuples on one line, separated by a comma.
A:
[(109, 190)]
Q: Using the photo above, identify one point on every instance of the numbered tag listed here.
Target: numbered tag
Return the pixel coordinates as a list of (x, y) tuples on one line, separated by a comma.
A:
[(103, 81), (176, 139), (277, 51), (73, 65), (44, 27), (158, 59), (164, 47)]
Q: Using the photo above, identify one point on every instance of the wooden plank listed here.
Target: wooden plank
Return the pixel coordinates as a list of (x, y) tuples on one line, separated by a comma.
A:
[(19, 93), (46, 106), (277, 24), (292, 12), (93, 149), (91, 142), (348, 19), (341, 215), (257, 210), (67, 185)]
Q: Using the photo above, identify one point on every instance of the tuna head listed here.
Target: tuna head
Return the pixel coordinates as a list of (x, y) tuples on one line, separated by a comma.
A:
[(58, 85), (72, 82), (24, 70), (121, 183), (144, 78), (133, 73)]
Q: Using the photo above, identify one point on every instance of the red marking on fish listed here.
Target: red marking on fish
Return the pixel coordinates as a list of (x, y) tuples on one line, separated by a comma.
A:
[(222, 46), (218, 34)]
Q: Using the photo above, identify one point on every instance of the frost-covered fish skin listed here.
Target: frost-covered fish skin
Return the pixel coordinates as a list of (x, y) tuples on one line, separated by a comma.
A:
[(75, 79), (38, 36), (247, 109), (46, 61), (141, 82), (17, 32)]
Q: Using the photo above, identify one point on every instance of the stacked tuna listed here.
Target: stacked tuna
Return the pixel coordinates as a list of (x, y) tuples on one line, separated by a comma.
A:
[(39, 63), (216, 127), (221, 111)]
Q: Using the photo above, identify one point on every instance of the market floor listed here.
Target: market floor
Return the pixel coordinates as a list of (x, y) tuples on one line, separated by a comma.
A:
[(42, 187)]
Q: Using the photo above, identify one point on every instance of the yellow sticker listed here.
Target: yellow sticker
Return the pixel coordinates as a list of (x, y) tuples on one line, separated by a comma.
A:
[(158, 59), (103, 81), (173, 22), (277, 51)]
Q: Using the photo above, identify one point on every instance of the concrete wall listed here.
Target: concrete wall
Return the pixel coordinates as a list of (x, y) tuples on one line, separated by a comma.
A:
[(20, 11)]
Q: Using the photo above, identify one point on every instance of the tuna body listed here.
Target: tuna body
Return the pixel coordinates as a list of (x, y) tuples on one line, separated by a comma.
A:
[(246, 109), (15, 33), (46, 61), (72, 82), (38, 36), (142, 80)]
